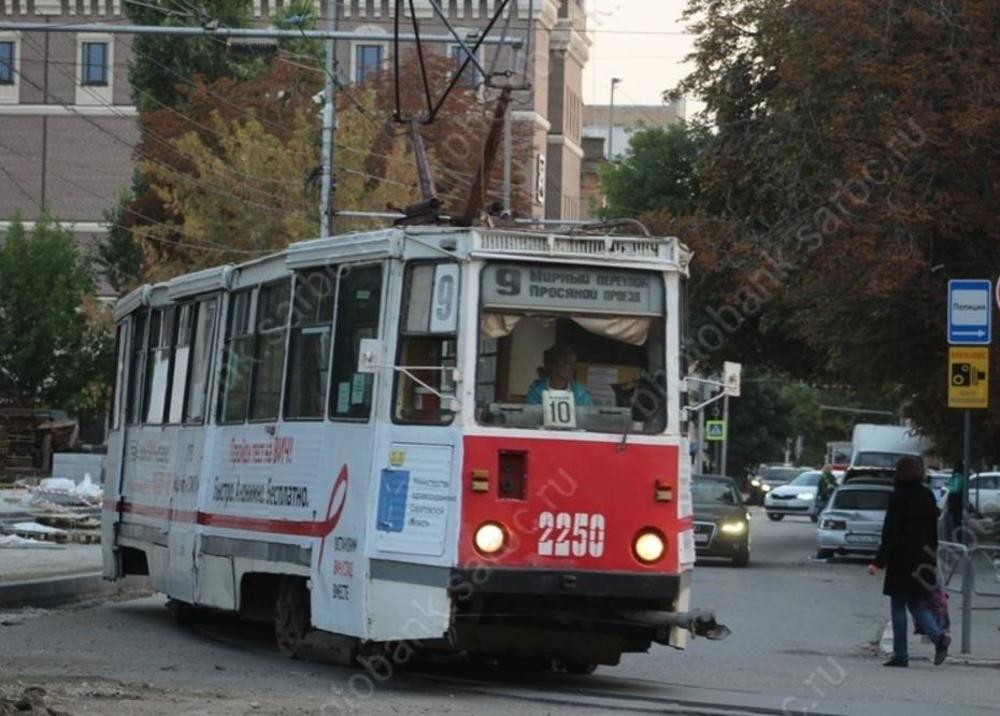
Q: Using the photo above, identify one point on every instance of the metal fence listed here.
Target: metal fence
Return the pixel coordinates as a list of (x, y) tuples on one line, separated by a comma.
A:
[(955, 559)]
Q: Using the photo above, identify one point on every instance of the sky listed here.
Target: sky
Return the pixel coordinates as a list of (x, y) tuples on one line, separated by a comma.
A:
[(640, 41)]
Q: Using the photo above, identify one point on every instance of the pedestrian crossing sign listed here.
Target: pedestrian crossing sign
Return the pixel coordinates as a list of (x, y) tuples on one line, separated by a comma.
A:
[(715, 430)]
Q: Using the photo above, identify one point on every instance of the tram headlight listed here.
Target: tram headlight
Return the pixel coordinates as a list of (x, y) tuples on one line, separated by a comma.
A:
[(649, 546), (490, 538)]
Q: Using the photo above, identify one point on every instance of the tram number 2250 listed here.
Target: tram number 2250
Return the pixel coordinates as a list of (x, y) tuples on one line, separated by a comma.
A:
[(563, 534)]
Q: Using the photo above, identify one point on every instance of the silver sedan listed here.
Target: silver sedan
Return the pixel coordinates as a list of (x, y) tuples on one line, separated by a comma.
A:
[(852, 522)]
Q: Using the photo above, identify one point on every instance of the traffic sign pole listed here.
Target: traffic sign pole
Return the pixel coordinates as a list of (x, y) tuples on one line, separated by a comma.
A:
[(725, 435)]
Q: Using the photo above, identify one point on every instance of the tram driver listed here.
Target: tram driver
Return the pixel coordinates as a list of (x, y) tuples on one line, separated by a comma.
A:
[(560, 363)]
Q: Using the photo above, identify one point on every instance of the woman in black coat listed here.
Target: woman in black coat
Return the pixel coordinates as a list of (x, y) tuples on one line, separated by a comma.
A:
[(908, 554)]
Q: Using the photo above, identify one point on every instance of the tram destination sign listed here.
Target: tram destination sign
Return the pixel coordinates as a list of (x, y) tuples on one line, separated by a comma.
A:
[(572, 289)]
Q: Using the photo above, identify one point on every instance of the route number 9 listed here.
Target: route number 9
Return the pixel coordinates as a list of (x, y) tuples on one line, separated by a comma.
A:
[(444, 308), (564, 535)]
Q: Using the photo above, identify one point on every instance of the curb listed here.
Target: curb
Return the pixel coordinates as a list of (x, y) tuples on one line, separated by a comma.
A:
[(57, 591), (885, 647)]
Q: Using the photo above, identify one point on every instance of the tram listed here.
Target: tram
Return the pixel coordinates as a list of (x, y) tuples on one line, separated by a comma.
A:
[(458, 438)]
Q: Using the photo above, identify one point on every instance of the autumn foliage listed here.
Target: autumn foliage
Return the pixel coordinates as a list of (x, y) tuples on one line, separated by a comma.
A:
[(852, 172)]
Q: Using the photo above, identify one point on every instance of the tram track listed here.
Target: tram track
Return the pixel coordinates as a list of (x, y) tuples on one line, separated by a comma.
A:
[(600, 693)]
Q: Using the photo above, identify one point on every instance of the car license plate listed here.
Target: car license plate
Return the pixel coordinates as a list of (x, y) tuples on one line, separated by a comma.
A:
[(863, 539), (700, 538)]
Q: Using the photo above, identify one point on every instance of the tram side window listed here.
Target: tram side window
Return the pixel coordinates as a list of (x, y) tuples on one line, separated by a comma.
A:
[(161, 335), (238, 355), (135, 383), (269, 351), (182, 359), (204, 344), (428, 346), (117, 387), (358, 308), (310, 343)]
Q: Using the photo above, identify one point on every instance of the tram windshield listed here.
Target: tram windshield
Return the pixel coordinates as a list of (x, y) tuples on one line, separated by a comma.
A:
[(571, 348)]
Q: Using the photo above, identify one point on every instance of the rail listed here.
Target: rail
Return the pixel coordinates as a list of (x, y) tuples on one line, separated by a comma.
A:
[(955, 558)]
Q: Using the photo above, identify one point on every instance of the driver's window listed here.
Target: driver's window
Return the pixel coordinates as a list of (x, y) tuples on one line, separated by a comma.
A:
[(425, 387)]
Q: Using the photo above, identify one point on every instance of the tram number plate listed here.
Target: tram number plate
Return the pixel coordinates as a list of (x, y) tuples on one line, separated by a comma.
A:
[(558, 409), (565, 535)]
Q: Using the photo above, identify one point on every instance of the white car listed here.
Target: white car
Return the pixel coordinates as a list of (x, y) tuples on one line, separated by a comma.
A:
[(984, 492), (852, 522), (798, 497)]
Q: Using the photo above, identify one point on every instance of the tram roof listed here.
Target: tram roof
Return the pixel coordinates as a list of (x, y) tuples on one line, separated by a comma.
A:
[(636, 252)]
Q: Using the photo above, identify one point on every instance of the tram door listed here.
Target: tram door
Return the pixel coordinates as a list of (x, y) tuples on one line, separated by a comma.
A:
[(415, 489), (115, 461), (191, 368)]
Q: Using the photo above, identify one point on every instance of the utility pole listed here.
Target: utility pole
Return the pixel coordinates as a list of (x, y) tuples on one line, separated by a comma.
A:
[(508, 158), (328, 186), (611, 119)]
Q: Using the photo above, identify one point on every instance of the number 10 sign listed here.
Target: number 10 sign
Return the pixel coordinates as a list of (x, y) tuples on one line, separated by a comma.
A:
[(558, 409)]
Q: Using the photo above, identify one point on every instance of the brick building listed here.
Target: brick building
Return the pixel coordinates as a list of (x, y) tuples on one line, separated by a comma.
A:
[(68, 125)]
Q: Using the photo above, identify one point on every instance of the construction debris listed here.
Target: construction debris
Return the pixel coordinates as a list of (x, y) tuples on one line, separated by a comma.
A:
[(63, 491), (31, 702), (16, 542), (34, 530)]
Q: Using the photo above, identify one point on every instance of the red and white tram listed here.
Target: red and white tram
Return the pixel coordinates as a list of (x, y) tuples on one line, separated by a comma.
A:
[(463, 438)]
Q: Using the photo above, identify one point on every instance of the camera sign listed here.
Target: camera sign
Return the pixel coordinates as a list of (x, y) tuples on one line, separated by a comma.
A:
[(970, 308), (968, 377)]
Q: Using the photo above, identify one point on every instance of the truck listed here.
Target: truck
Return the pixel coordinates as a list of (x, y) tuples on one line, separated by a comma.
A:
[(881, 446)]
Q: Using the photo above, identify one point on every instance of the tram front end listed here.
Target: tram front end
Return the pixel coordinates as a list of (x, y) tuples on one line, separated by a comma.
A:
[(575, 540)]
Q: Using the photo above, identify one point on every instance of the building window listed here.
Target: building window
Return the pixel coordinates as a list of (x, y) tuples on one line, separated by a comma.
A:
[(6, 62), (471, 77), (94, 64), (367, 62)]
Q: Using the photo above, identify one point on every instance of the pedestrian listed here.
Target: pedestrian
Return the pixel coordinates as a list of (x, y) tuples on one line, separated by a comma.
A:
[(956, 492), (908, 554), (827, 484)]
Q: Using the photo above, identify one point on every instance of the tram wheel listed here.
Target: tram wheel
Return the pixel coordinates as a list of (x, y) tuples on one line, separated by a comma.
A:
[(579, 668), (291, 616)]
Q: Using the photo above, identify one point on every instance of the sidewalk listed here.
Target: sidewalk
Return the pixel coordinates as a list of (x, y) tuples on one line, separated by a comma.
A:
[(985, 636)]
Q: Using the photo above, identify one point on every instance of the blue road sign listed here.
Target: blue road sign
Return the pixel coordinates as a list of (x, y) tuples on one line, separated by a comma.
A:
[(970, 312)]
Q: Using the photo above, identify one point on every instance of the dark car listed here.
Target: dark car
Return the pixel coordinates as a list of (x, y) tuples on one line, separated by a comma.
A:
[(721, 520), (769, 477)]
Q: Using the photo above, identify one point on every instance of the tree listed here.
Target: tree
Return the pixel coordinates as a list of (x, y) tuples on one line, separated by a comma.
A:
[(853, 180), (55, 346), (656, 173), (760, 421)]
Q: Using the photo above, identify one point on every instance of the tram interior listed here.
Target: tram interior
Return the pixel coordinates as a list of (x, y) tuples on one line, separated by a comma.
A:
[(613, 362)]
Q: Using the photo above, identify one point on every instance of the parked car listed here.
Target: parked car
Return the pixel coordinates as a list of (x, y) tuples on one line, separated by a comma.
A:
[(984, 492), (769, 477), (721, 520), (798, 497), (852, 522)]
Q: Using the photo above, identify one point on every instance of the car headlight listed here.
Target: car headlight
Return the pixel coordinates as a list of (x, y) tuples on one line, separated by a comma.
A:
[(755, 482), (805, 496), (734, 528), (765, 487), (490, 538), (649, 546), (828, 524)]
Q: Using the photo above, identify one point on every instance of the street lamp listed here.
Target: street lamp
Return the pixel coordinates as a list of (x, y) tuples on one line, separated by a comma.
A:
[(611, 118)]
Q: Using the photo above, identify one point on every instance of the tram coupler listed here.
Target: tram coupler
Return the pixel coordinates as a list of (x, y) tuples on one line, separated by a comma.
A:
[(700, 622)]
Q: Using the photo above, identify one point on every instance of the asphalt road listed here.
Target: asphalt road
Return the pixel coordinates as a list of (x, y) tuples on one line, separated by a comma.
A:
[(802, 643)]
